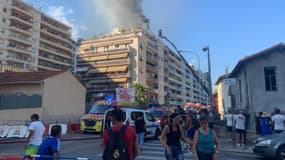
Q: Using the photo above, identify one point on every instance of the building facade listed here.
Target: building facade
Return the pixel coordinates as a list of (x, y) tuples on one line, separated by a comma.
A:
[(126, 57), (46, 93), (32, 40), (224, 99), (260, 82)]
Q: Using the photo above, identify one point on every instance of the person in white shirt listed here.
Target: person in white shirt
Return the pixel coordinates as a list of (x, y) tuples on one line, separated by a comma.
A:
[(35, 137), (229, 119), (240, 127), (278, 121)]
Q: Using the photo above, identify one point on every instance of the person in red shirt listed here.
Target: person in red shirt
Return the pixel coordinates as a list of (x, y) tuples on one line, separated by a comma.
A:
[(129, 136)]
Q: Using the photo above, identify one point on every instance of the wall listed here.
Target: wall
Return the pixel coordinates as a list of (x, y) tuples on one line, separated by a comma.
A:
[(64, 98)]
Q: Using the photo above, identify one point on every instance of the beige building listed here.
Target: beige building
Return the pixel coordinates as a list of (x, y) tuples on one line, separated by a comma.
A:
[(54, 95), (32, 40), (224, 99), (125, 57)]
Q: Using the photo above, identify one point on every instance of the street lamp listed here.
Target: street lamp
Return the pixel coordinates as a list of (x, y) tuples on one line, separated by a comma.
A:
[(207, 50)]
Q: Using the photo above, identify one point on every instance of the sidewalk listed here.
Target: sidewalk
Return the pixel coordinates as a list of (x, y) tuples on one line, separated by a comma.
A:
[(67, 137)]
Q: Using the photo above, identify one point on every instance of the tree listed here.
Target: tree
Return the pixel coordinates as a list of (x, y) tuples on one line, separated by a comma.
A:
[(140, 95)]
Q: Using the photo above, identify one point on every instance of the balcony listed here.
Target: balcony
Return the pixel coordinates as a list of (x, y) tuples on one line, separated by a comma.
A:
[(22, 7), (21, 29), (100, 88), (22, 10), (19, 39), (109, 69), (82, 53), (21, 20), (48, 68), (63, 31), (110, 75), (151, 69), (54, 61), (64, 48), (53, 35), (52, 51), (103, 57), (18, 49)]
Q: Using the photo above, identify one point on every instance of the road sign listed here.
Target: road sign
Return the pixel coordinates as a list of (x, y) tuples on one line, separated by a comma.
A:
[(230, 81)]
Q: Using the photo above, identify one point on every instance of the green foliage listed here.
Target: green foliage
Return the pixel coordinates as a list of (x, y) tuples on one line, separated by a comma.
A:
[(141, 95)]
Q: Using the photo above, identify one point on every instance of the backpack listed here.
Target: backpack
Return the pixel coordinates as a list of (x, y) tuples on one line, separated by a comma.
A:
[(116, 149)]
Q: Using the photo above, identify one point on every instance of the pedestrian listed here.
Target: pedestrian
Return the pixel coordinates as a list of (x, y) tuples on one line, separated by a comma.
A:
[(51, 145), (190, 130), (230, 119), (163, 121), (240, 128), (108, 120), (211, 119), (140, 127), (278, 121), (128, 138), (35, 137), (257, 123), (205, 143), (265, 122), (171, 136)]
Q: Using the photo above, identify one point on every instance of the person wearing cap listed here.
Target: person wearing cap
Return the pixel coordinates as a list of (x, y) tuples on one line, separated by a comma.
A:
[(265, 122)]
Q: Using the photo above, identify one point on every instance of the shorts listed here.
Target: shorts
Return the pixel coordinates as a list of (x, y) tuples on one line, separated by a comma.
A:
[(32, 149), (241, 131), (229, 129)]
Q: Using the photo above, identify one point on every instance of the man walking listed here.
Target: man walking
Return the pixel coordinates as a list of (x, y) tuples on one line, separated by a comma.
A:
[(128, 138), (278, 121), (240, 128), (140, 127), (35, 137)]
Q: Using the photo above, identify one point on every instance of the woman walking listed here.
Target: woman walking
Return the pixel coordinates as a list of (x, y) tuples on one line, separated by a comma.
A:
[(204, 141), (171, 136)]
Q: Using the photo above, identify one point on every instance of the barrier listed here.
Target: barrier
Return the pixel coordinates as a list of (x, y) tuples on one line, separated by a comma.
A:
[(58, 157), (17, 131), (13, 158), (63, 128), (4, 131), (73, 128)]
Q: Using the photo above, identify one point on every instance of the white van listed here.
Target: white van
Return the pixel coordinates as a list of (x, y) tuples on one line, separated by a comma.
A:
[(152, 127)]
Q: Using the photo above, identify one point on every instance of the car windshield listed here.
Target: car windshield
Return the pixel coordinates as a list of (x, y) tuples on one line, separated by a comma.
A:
[(157, 114), (99, 109)]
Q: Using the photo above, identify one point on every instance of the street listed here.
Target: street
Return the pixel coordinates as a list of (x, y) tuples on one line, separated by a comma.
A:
[(153, 150)]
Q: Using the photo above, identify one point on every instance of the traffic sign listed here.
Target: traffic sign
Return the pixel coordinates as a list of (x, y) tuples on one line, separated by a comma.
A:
[(230, 81)]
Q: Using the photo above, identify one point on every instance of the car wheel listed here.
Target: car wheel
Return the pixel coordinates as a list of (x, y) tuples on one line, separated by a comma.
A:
[(281, 153)]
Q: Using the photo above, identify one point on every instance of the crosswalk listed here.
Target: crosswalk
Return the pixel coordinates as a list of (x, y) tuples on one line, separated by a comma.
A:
[(153, 150)]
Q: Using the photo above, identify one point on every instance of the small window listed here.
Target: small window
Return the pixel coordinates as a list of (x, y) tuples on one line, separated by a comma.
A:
[(141, 46), (5, 10), (106, 48), (117, 46), (4, 20), (141, 58), (270, 78), (149, 117)]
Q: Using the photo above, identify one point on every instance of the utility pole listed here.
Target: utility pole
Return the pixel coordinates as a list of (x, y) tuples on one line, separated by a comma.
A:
[(207, 50)]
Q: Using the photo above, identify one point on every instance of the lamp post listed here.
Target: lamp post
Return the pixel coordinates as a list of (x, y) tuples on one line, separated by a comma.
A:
[(207, 50), (199, 69)]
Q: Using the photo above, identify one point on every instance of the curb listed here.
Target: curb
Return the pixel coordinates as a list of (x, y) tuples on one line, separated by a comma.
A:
[(61, 139)]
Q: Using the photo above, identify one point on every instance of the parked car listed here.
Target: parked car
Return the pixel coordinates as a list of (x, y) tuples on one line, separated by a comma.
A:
[(92, 122), (152, 127), (271, 146)]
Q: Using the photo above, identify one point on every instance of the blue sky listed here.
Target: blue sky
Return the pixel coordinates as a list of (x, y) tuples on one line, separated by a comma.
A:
[(232, 28)]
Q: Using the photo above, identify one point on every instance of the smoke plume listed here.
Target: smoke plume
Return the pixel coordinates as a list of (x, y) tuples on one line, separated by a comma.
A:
[(122, 13)]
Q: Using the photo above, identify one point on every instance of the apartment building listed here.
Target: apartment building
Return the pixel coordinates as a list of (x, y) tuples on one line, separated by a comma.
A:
[(125, 57), (32, 40)]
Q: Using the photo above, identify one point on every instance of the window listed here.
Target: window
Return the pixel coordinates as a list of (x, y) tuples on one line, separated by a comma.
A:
[(106, 48), (270, 78), (134, 115), (5, 10), (4, 20), (117, 45), (149, 117)]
